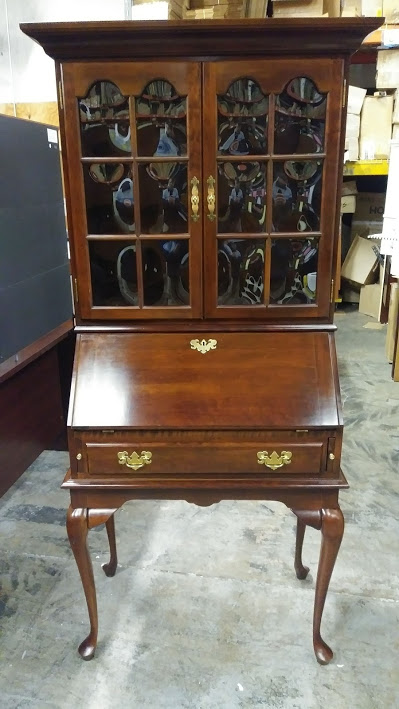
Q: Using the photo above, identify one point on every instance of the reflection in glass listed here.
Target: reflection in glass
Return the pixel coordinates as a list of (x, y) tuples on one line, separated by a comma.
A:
[(241, 197), (241, 265), (293, 272), (163, 198), (300, 118), (161, 138), (297, 195), (166, 272), (242, 119), (113, 273), (161, 121), (104, 121), (109, 198)]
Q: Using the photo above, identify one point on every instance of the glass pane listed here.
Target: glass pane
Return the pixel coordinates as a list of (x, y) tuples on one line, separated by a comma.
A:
[(241, 197), (242, 119), (166, 272), (297, 195), (161, 138), (163, 198), (113, 272), (161, 121), (293, 273), (104, 121), (300, 118), (241, 266), (109, 198)]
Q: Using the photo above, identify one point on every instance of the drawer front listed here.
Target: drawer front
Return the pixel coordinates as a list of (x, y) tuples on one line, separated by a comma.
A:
[(136, 457)]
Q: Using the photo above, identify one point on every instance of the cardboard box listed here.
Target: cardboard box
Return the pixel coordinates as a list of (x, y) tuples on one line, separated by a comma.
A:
[(371, 8), (370, 300), (352, 125), (348, 204), (369, 213), (355, 99), (361, 262), (351, 8), (332, 8), (366, 229), (375, 127), (392, 322), (361, 8), (370, 207), (351, 149), (390, 10), (348, 187), (349, 292), (395, 115), (298, 8), (387, 76)]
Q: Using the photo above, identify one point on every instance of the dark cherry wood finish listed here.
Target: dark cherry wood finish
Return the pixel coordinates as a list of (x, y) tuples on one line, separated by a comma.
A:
[(31, 417), (258, 415)]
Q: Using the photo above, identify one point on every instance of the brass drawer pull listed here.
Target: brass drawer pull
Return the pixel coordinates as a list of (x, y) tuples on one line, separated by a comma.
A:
[(194, 199), (211, 199), (135, 460), (274, 460), (203, 345)]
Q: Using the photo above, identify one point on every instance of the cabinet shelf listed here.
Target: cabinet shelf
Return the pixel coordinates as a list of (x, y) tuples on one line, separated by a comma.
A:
[(95, 121), (242, 115), (164, 116)]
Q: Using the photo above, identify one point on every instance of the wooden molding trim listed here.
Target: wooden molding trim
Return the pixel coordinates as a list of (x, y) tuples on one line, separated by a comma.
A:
[(201, 38)]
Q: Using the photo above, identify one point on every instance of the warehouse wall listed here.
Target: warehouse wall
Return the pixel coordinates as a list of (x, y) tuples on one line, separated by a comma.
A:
[(27, 82)]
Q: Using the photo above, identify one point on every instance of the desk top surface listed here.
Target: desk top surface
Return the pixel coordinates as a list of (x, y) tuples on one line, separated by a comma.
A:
[(249, 381)]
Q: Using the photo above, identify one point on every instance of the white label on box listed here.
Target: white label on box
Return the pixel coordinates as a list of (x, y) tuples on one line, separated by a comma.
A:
[(52, 135)]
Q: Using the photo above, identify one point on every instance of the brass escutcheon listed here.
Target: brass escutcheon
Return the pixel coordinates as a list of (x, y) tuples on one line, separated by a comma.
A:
[(211, 198), (194, 199), (203, 345)]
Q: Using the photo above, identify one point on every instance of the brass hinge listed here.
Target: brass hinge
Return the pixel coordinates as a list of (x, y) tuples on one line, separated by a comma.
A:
[(61, 95), (75, 289), (344, 95), (332, 292)]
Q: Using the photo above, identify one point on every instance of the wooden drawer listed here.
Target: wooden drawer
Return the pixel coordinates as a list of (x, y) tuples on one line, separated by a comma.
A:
[(133, 456)]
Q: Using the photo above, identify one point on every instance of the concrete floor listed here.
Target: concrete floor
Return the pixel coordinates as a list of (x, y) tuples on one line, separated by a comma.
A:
[(205, 611)]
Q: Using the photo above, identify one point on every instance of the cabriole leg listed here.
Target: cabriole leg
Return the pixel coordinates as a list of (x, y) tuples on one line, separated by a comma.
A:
[(110, 568), (300, 570), (332, 529), (77, 528)]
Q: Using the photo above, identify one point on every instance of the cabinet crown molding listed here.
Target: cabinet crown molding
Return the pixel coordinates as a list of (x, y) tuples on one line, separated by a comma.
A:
[(201, 39)]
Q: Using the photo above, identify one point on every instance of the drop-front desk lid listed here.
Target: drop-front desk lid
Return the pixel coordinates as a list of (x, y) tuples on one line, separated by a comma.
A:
[(274, 380)]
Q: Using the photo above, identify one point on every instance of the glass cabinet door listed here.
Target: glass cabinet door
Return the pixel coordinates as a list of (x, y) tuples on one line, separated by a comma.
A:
[(133, 142), (270, 141)]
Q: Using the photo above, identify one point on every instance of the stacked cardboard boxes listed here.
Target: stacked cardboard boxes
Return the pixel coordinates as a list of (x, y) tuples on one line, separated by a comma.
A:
[(215, 9), (356, 98), (306, 8), (361, 265), (388, 79), (361, 8), (177, 9), (327, 8), (369, 124), (376, 126)]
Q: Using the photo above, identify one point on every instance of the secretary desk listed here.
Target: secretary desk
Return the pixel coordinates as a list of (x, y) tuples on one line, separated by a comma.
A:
[(202, 165)]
